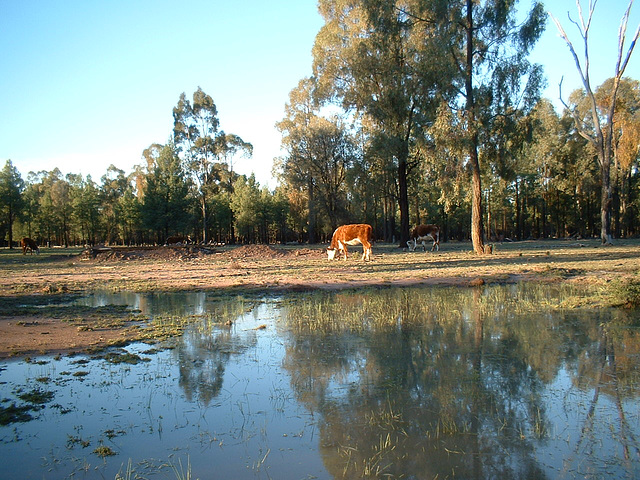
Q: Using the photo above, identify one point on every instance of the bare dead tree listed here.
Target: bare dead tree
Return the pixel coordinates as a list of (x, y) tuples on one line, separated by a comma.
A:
[(602, 134)]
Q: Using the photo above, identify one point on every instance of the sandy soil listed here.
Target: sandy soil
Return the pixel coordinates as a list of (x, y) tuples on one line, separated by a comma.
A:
[(264, 269), (26, 336)]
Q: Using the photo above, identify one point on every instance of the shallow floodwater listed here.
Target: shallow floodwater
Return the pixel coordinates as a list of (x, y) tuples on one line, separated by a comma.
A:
[(396, 383)]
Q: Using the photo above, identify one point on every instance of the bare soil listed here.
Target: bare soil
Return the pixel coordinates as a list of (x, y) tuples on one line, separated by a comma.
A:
[(272, 269)]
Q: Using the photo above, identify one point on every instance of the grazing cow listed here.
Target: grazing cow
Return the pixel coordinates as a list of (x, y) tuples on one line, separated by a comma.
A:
[(178, 240), (421, 233), (351, 235), (27, 243)]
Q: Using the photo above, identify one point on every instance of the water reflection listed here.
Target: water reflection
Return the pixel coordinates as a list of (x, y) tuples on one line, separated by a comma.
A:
[(190, 303), (493, 382), (419, 384)]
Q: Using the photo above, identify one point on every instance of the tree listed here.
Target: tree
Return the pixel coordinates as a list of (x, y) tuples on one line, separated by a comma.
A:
[(320, 152), (541, 156), (204, 148), (166, 200), (600, 132), (116, 192), (379, 59), (299, 111), (11, 202), (626, 150), (248, 211), (85, 207), (489, 49)]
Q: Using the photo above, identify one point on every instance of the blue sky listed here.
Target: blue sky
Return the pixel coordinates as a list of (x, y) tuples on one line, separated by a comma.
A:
[(85, 84)]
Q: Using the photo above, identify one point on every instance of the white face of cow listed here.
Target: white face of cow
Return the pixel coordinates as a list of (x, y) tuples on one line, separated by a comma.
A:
[(331, 253), (412, 245)]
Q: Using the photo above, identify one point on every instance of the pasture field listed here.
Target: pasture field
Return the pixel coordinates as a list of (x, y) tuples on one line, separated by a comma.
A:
[(28, 283)]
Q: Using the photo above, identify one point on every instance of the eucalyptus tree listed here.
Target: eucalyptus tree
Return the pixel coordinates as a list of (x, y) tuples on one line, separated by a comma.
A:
[(534, 178), (320, 151), (11, 201), (599, 132), (377, 59), (292, 168), (625, 149), (556, 178), (206, 151), (489, 47)]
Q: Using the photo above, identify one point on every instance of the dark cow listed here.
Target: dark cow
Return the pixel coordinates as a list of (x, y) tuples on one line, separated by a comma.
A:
[(30, 244), (356, 234), (178, 240), (420, 235)]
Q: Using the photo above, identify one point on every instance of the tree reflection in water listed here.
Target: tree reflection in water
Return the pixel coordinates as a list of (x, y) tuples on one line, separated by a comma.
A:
[(206, 346), (417, 384)]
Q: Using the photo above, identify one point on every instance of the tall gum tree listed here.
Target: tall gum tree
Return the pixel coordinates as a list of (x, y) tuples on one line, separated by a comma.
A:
[(488, 47), (601, 132), (295, 127), (377, 60), (204, 148)]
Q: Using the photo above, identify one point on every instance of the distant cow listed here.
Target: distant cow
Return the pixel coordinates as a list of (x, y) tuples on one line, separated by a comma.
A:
[(30, 244), (420, 235), (351, 235), (178, 240)]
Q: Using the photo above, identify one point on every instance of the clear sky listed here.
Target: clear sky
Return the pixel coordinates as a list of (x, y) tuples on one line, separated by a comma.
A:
[(89, 83)]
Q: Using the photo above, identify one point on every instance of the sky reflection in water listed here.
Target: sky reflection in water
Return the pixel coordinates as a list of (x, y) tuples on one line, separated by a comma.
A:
[(418, 383)]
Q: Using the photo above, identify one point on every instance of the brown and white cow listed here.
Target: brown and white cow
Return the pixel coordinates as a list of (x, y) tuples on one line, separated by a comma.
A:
[(356, 234), (420, 234), (30, 244), (178, 240)]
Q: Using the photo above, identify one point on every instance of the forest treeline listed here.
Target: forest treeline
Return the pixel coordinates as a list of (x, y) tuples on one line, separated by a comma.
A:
[(419, 111)]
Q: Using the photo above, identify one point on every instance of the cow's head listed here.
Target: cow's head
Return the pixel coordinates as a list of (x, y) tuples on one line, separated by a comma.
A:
[(331, 253), (412, 245)]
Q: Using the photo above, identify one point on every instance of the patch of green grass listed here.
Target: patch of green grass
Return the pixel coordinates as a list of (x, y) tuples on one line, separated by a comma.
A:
[(36, 397), (627, 292), (104, 451), (130, 358), (15, 413), (111, 434), (73, 440)]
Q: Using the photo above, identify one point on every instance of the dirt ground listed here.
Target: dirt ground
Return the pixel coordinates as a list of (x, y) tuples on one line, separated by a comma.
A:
[(271, 269)]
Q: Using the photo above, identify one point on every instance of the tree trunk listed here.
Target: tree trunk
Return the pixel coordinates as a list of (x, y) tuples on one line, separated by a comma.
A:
[(403, 198), (518, 212), (311, 205), (476, 183), (606, 201), (476, 205), (10, 226), (203, 207)]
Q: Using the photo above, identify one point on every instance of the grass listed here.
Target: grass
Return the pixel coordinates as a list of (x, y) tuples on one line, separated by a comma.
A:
[(104, 451), (34, 401)]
